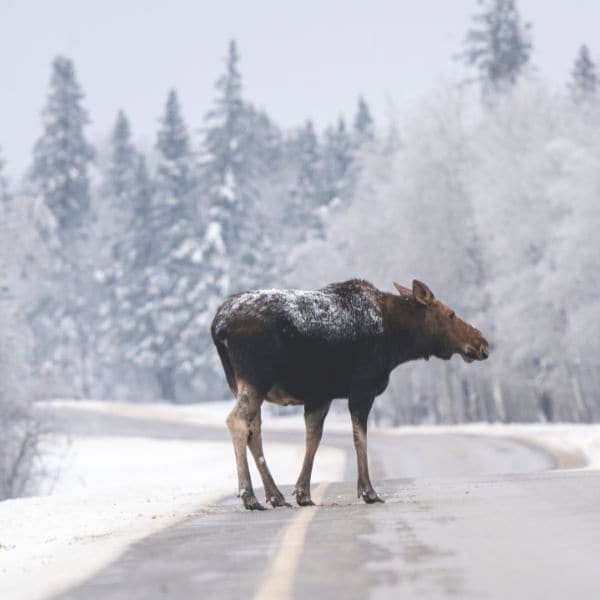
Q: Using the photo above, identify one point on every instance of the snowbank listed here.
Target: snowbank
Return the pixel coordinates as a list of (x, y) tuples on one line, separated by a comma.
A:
[(573, 445), (114, 491)]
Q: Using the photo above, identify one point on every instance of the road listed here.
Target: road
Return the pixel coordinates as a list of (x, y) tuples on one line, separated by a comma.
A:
[(465, 517)]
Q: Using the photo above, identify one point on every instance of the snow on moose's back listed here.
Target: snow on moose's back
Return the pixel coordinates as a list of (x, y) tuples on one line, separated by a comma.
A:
[(310, 313)]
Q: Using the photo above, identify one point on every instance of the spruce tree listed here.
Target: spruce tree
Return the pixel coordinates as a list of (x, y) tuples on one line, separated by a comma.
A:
[(308, 195), (227, 175), (165, 290), (241, 146), (338, 157), (123, 163), (119, 233), (62, 154), (364, 126), (64, 314), (584, 78), (498, 45)]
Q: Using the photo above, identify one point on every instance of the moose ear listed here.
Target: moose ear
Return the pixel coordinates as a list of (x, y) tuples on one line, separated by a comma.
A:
[(404, 291), (422, 293)]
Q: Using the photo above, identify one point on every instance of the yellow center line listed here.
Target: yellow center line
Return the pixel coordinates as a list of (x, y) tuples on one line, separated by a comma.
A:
[(278, 577)]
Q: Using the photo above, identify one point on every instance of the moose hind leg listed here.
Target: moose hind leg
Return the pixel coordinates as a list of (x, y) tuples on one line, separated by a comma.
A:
[(273, 495), (239, 420), (359, 413), (313, 420)]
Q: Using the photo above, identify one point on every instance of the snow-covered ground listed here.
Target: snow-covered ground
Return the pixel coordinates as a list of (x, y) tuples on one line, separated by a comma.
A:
[(112, 491)]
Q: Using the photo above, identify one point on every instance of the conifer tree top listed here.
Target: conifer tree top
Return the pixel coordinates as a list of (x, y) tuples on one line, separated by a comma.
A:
[(584, 77), (173, 139), (62, 154), (363, 122), (498, 45)]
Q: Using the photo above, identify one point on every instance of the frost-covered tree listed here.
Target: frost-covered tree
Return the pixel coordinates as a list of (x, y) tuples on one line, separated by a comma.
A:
[(62, 154), (364, 126), (123, 206), (584, 76), (411, 217), (307, 194), (62, 314), (498, 46), (164, 294), (240, 144), (121, 170), (21, 429), (227, 177), (338, 156)]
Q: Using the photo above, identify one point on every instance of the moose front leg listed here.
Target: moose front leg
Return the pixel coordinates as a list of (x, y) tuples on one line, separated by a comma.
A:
[(313, 420), (239, 420), (359, 413), (273, 495)]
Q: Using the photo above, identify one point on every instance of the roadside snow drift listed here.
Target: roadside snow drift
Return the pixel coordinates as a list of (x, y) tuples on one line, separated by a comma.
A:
[(114, 491)]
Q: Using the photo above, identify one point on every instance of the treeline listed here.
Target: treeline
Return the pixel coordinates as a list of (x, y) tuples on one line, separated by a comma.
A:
[(118, 258), (129, 262)]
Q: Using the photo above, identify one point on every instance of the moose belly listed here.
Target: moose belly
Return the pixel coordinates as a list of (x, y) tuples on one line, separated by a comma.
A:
[(277, 395)]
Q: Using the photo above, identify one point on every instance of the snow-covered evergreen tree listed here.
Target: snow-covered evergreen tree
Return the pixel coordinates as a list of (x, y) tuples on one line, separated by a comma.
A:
[(165, 293), (122, 167), (307, 195), (364, 126), (498, 45), (338, 157), (119, 231), (62, 154), (584, 76), (63, 313), (227, 178)]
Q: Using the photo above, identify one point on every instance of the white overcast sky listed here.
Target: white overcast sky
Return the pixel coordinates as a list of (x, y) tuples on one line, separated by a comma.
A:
[(308, 58)]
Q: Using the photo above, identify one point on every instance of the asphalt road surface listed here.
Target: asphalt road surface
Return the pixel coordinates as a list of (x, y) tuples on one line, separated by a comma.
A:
[(465, 517)]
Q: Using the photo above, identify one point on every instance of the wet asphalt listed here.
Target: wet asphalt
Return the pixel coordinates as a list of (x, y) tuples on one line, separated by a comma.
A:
[(465, 517)]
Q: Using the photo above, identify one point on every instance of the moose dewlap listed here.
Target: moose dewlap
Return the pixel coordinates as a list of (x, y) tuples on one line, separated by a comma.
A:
[(310, 347)]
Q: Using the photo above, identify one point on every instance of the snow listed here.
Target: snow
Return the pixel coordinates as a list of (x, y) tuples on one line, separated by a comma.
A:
[(311, 312), (113, 491), (572, 444)]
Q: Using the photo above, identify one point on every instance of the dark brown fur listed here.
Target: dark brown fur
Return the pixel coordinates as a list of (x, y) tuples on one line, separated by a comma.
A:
[(312, 347)]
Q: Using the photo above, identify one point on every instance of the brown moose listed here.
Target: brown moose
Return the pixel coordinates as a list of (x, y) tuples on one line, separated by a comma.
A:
[(310, 347)]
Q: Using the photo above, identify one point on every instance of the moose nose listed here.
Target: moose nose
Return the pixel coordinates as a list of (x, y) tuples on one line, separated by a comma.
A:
[(484, 350)]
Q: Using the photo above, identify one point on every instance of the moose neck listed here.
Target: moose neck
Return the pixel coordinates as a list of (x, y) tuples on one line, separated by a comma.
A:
[(406, 327)]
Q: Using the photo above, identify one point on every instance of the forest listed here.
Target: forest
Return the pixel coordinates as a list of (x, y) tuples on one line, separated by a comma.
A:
[(113, 259)]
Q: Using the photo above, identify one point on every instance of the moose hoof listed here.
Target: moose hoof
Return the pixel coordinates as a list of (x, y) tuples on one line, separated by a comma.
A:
[(278, 500), (303, 498), (250, 502), (371, 497)]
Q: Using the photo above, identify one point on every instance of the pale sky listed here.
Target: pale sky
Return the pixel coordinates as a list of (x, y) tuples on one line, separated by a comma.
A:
[(302, 59)]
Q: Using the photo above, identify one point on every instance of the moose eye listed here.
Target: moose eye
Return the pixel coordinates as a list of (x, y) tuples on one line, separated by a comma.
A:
[(452, 315)]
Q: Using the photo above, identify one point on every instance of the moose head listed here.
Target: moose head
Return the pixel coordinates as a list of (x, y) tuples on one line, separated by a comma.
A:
[(445, 333)]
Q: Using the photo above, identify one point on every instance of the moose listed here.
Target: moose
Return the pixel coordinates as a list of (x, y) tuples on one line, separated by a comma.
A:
[(294, 347)]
